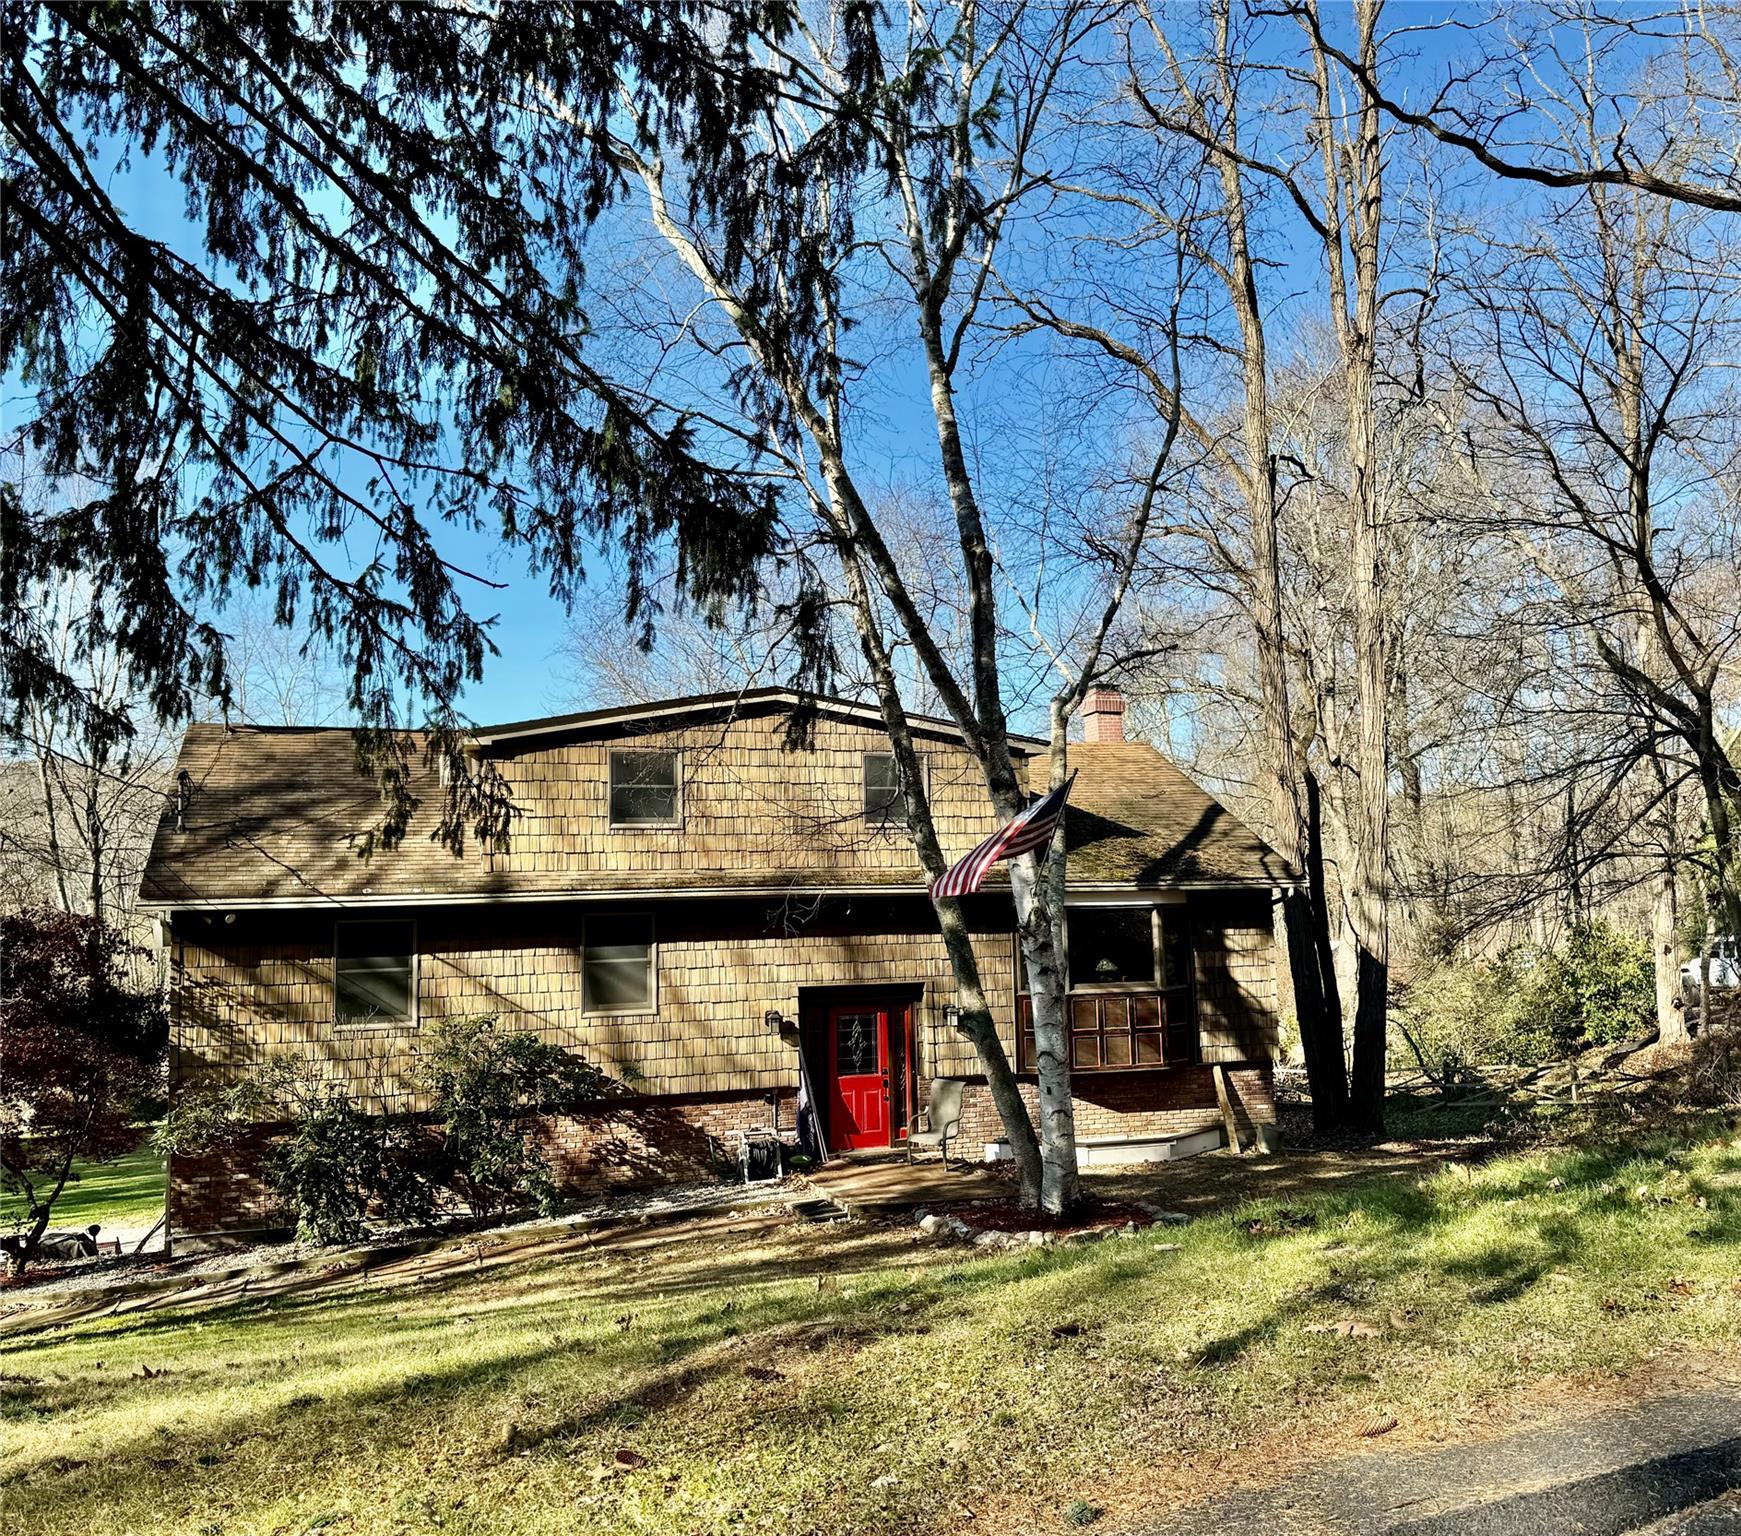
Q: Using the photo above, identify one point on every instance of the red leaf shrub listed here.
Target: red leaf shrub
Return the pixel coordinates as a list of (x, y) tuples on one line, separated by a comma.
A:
[(81, 1048)]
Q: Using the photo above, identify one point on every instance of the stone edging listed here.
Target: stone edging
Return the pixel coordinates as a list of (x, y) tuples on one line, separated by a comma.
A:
[(944, 1227)]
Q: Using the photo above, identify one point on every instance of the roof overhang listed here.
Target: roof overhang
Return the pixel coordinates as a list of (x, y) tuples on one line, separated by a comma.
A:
[(746, 701), (1097, 891)]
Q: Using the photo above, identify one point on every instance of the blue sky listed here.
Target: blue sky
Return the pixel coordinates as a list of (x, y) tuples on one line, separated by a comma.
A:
[(895, 441)]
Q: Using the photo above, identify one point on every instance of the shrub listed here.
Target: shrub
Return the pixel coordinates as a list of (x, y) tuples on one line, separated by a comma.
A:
[(338, 1166), (341, 1164), (83, 1053), (1460, 1015), (1599, 989), (1529, 1005), (486, 1084)]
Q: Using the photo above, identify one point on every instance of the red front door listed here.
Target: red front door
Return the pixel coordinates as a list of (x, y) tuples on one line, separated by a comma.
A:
[(858, 1075)]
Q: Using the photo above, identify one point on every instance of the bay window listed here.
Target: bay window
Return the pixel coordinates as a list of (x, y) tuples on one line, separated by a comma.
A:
[(1130, 1004)]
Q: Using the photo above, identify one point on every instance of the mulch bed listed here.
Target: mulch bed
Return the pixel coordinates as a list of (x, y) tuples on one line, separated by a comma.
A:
[(1007, 1216)]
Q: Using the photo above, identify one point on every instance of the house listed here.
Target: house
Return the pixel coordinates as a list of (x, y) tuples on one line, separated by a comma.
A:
[(697, 908)]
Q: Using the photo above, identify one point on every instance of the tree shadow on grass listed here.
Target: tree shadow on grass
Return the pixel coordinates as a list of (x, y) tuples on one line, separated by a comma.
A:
[(1399, 1220), (654, 1370), (780, 1294)]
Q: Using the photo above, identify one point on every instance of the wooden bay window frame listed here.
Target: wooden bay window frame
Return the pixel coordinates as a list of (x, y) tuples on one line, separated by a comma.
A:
[(1124, 1026)]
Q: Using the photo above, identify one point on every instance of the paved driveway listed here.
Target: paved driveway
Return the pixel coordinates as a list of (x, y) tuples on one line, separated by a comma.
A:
[(1667, 1466)]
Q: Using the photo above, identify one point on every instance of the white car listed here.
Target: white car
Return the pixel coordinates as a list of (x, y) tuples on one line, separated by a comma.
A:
[(1725, 966)]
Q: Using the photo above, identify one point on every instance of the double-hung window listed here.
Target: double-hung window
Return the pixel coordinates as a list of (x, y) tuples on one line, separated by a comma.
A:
[(644, 789), (617, 963), (885, 801), (375, 972)]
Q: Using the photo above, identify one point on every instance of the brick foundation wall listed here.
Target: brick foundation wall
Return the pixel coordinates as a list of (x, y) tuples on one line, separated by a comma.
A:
[(1170, 1103), (654, 1141), (636, 1144), (223, 1190)]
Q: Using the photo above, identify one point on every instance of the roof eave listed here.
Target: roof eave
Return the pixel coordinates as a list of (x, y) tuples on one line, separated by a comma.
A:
[(165, 907), (559, 725)]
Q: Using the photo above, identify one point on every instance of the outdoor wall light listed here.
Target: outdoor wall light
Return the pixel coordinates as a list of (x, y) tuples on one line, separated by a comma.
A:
[(952, 1015), (774, 1021)]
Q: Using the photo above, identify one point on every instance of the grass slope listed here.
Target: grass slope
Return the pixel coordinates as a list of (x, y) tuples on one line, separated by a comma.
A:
[(845, 1380), (128, 1192)]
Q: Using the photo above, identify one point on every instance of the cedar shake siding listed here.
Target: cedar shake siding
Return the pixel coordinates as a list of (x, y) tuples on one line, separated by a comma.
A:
[(263, 986), (770, 890)]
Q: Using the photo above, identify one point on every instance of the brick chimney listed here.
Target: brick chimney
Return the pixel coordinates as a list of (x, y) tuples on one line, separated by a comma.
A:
[(1103, 715)]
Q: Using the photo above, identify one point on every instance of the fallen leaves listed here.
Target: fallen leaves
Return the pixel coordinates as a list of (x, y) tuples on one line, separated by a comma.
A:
[(1344, 1327)]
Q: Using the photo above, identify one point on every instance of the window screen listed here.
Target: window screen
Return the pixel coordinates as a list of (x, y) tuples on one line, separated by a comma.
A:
[(643, 789), (882, 788), (373, 973), (617, 963)]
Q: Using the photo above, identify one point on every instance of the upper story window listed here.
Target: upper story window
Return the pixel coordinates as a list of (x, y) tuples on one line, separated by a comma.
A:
[(375, 973), (644, 791), (616, 963), (883, 798)]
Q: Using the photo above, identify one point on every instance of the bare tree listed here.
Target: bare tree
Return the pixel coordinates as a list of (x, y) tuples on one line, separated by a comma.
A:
[(960, 132), (84, 803), (281, 674), (1647, 80), (1605, 390)]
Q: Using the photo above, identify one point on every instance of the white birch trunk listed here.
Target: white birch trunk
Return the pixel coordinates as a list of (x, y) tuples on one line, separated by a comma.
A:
[(1671, 1007), (1043, 962)]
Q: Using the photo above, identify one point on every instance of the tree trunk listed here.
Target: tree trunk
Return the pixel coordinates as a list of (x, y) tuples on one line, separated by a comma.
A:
[(1705, 972), (1352, 212), (1043, 963), (977, 1024), (1318, 891), (979, 1027), (1368, 908), (1320, 1025), (95, 836), (56, 858), (1671, 1007)]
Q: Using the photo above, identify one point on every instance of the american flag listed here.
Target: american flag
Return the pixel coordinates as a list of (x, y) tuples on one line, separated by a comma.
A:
[(1032, 829)]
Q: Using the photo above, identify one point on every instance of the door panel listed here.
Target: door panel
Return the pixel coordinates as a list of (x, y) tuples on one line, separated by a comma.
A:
[(858, 1059)]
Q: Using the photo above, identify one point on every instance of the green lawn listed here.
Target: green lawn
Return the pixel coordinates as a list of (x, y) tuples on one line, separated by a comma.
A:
[(802, 1379), (125, 1193)]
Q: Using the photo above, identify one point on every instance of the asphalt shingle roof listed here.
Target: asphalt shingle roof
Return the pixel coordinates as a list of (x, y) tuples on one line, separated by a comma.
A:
[(1134, 817)]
